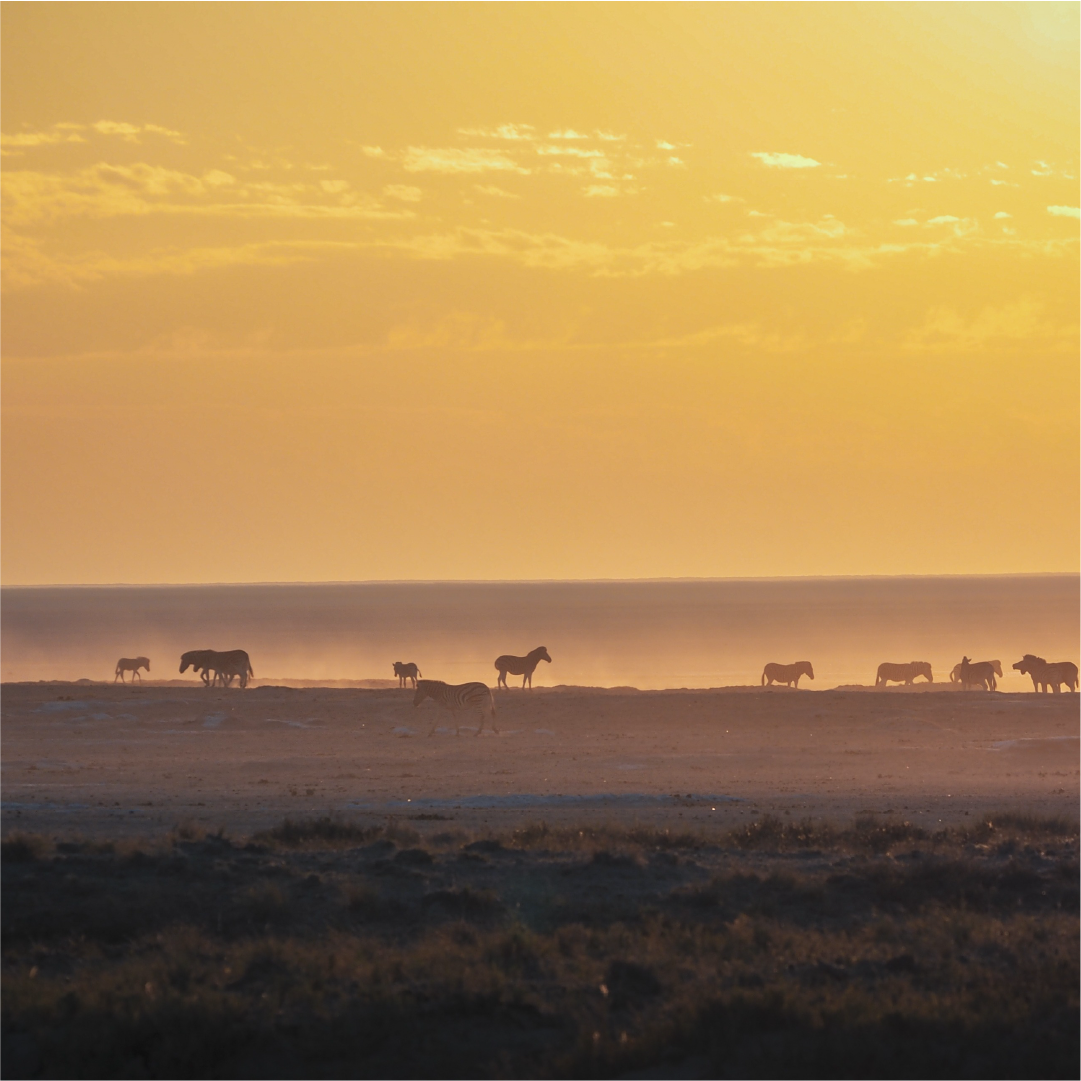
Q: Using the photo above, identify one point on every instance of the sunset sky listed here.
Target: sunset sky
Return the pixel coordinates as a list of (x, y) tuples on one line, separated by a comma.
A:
[(347, 292)]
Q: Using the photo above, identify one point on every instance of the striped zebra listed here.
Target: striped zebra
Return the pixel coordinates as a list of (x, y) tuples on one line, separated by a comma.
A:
[(132, 665), (456, 698)]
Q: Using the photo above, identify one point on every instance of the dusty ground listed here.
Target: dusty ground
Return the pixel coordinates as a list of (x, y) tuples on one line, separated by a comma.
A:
[(113, 761)]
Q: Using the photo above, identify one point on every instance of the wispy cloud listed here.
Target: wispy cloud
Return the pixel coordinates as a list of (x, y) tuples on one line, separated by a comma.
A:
[(570, 152), (404, 192), (611, 136), (418, 159), (511, 132), (1025, 321), (785, 161), (601, 190), (491, 189), (1065, 211), (566, 133), (81, 133)]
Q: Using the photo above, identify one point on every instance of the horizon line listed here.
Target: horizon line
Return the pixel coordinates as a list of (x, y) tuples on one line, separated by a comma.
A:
[(541, 581)]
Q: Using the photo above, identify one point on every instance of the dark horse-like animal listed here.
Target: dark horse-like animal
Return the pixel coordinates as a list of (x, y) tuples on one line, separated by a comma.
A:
[(978, 674), (132, 665), (1048, 675), (406, 672), (521, 666), (225, 666)]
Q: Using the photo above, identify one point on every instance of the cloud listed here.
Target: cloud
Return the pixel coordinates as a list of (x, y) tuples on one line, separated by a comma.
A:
[(333, 187), (1003, 214), (906, 221), (373, 151), (785, 161), (452, 160), (104, 190), (57, 134), (111, 127), (570, 151), (26, 265), (403, 192), (1064, 211), (602, 190), (946, 330), (491, 189), (567, 133), (720, 197), (66, 132), (943, 219), (512, 132), (610, 136), (1044, 169), (131, 132)]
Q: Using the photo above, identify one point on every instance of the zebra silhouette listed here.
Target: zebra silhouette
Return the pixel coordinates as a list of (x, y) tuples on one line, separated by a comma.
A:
[(457, 698)]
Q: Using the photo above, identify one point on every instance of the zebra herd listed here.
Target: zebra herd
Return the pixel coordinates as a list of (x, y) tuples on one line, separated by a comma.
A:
[(216, 668), (470, 697)]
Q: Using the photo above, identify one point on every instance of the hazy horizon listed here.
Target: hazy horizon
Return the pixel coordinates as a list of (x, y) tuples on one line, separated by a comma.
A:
[(648, 634)]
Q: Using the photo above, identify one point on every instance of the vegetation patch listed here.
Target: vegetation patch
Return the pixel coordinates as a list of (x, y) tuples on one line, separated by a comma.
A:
[(325, 948)]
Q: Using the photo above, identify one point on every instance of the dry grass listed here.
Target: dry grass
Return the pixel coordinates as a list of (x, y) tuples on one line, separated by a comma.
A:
[(330, 949)]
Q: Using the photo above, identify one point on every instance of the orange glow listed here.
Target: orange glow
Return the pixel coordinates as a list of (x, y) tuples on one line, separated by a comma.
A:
[(328, 292)]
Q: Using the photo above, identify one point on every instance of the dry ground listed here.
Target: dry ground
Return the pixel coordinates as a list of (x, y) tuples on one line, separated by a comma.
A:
[(108, 760)]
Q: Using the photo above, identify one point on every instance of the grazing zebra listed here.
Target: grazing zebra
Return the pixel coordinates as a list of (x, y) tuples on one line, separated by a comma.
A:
[(406, 672), (225, 666), (132, 665), (199, 661), (1047, 674), (231, 664), (464, 696), (521, 666), (980, 673), (788, 674), (984, 680), (905, 673)]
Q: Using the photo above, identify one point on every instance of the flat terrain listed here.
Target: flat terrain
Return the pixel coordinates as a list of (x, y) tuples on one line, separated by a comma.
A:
[(115, 761), (731, 883)]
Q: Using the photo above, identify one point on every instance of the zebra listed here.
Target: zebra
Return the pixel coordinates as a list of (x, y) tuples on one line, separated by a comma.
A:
[(521, 666), (132, 665), (225, 666), (788, 674), (200, 661), (463, 696), (233, 663), (406, 672)]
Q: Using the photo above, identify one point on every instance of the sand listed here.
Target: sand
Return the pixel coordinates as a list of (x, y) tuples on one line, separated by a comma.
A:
[(104, 760)]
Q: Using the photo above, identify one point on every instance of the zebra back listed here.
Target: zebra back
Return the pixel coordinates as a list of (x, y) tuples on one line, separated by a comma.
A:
[(456, 697)]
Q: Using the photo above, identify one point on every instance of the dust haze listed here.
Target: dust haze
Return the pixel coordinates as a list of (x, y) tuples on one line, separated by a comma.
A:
[(647, 635)]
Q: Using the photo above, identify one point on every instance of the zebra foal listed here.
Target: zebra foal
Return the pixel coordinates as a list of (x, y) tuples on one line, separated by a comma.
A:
[(457, 698)]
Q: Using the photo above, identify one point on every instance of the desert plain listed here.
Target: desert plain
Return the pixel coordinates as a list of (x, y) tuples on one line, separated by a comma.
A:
[(111, 760)]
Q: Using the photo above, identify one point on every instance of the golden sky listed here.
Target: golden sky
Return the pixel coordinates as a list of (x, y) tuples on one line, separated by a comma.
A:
[(327, 292)]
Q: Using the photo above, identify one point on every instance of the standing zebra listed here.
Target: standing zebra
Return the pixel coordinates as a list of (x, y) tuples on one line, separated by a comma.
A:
[(464, 696), (520, 666)]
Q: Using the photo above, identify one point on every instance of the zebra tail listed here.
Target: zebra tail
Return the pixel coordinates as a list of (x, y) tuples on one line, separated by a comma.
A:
[(763, 683)]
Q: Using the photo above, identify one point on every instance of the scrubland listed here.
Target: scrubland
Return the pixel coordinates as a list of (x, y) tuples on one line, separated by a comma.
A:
[(332, 947)]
